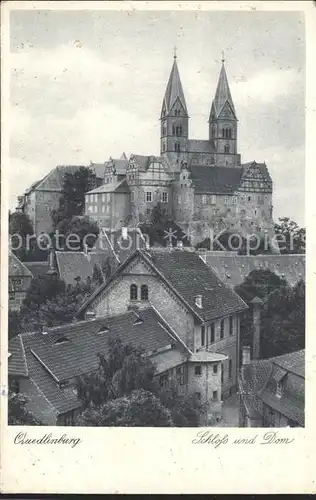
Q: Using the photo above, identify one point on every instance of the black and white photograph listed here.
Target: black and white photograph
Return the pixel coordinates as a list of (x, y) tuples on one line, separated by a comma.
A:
[(156, 219)]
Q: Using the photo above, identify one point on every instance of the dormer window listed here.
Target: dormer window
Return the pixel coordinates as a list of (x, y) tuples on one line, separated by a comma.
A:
[(61, 340)]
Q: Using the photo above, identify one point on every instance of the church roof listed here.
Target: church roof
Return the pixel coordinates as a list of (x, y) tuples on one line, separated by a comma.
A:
[(174, 90), (222, 94), (216, 180)]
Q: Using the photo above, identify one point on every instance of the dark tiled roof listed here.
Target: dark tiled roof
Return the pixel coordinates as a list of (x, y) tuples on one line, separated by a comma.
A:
[(293, 362), (233, 269), (119, 164), (174, 90), (216, 180), (200, 146), (37, 268), (79, 354), (54, 180), (190, 276), (289, 406), (114, 187), (98, 169), (17, 361), (18, 268)]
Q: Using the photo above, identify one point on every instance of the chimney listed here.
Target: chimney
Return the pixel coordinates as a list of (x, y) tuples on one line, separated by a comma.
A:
[(90, 315), (179, 244), (246, 355), (256, 303), (198, 301)]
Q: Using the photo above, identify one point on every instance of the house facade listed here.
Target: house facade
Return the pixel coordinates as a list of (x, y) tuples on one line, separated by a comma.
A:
[(272, 391), (204, 314), (20, 278)]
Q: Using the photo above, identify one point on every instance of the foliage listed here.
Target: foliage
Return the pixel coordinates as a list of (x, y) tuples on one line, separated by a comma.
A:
[(161, 224), (14, 324), (125, 371), (97, 275), (291, 237), (23, 241), (282, 313), (74, 233), (18, 414), (283, 321), (138, 409), (72, 200)]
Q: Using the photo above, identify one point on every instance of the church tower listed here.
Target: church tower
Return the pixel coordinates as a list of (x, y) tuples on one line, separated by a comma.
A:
[(223, 124), (174, 119)]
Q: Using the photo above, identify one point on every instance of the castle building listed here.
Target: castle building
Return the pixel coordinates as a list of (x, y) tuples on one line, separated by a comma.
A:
[(201, 184)]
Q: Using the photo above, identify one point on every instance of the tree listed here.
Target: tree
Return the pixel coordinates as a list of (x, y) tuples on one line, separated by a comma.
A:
[(259, 283), (18, 413), (138, 409), (76, 232), (24, 243), (283, 321), (291, 238), (185, 409), (14, 326), (97, 275), (160, 226), (72, 200)]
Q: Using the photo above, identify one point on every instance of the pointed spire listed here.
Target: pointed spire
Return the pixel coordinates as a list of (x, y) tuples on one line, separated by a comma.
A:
[(222, 94), (174, 89)]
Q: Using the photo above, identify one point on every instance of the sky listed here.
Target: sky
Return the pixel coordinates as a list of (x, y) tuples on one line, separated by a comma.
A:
[(87, 85)]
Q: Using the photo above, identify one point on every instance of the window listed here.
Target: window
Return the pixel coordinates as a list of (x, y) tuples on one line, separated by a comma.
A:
[(215, 369), (69, 418), (231, 325), (132, 196), (279, 390), (173, 130), (165, 197), (222, 373), (234, 200), (103, 198), (180, 374), (249, 198), (213, 131), (203, 335), (204, 199), (198, 395), (222, 329), (211, 333), (133, 292), (179, 200), (149, 196), (144, 292), (163, 380), (213, 199), (215, 395), (16, 283), (226, 148), (230, 368), (226, 200), (163, 147), (177, 146), (178, 130), (198, 370)]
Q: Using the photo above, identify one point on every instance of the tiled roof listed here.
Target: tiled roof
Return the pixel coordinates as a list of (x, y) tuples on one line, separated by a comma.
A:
[(37, 268), (292, 362), (54, 180), (115, 187), (190, 276), (216, 180), (72, 265), (18, 268), (121, 246), (232, 269), (223, 94), (98, 169), (259, 381), (119, 164), (174, 90), (17, 361), (199, 146)]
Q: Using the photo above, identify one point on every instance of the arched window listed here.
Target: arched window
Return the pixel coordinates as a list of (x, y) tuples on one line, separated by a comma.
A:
[(133, 292), (223, 132), (177, 146), (230, 133), (173, 130), (226, 148), (144, 292)]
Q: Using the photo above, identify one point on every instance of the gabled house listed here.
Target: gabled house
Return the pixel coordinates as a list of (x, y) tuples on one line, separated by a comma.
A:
[(20, 278), (272, 391), (190, 297), (45, 365)]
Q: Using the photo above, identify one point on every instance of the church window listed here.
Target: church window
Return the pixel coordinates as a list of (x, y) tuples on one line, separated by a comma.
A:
[(226, 148), (213, 131), (229, 133), (133, 292), (204, 199), (223, 132), (179, 130), (149, 196), (177, 146), (165, 197), (144, 292), (173, 130)]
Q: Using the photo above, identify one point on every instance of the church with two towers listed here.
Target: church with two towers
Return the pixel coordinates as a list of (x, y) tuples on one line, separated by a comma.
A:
[(202, 184)]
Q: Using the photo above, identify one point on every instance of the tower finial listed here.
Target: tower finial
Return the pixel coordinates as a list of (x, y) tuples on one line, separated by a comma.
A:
[(175, 52), (223, 57)]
